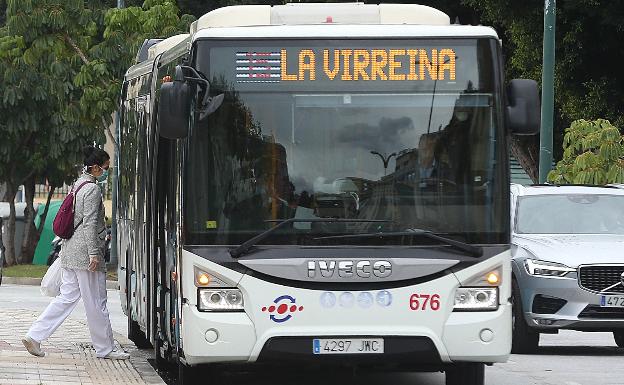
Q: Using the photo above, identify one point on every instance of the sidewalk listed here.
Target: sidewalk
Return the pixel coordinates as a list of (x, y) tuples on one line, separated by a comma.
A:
[(70, 358)]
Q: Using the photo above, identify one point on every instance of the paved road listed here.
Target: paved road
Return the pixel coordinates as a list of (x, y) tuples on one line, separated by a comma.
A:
[(570, 358)]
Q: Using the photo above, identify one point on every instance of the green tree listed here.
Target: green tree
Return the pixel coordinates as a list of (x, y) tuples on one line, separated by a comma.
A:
[(593, 153), (587, 81), (104, 63), (62, 64), (37, 99), (2, 12)]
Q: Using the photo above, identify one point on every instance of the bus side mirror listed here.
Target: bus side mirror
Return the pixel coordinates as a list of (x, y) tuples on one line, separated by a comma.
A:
[(174, 107), (523, 109)]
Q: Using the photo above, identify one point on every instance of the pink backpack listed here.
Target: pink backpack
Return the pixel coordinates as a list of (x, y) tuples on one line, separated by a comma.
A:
[(63, 225)]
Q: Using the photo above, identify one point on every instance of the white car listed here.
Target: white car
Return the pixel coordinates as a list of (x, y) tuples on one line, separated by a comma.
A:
[(568, 261)]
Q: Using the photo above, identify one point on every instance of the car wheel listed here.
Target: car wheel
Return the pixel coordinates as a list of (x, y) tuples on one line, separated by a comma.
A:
[(472, 373), (524, 340), (618, 335)]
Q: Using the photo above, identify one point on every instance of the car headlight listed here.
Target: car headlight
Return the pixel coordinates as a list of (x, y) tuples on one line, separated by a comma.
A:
[(219, 300), (546, 269), (476, 299)]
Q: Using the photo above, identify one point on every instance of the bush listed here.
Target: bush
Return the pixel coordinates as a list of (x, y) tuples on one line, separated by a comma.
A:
[(593, 153)]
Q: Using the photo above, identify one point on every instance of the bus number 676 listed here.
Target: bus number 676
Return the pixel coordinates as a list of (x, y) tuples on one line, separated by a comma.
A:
[(424, 302)]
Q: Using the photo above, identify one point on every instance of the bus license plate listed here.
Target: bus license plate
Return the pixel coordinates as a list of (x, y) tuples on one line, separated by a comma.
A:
[(612, 300), (348, 346)]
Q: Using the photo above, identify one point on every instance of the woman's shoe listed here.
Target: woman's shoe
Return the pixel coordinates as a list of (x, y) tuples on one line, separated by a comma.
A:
[(33, 347), (116, 355)]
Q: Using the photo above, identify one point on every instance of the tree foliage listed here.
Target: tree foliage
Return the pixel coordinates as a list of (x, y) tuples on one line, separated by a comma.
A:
[(593, 153), (587, 81), (36, 84), (62, 64), (104, 63)]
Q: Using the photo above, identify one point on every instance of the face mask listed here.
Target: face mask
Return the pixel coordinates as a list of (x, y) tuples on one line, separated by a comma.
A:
[(103, 177)]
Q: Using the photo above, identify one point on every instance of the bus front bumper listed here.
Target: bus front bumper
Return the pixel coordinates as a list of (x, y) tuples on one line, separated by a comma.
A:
[(232, 338)]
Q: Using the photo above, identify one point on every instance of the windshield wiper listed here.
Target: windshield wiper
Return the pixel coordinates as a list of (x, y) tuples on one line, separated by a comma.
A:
[(473, 251), (244, 247)]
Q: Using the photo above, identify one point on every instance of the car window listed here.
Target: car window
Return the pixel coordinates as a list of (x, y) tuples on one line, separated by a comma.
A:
[(570, 214)]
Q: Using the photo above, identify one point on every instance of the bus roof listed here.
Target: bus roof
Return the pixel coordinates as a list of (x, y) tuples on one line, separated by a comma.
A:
[(346, 31), (318, 20), (165, 45), (320, 13), (349, 20)]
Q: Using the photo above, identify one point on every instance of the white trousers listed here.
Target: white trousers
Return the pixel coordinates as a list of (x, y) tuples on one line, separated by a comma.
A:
[(92, 287)]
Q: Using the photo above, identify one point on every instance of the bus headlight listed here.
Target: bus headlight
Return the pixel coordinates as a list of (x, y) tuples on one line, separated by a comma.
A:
[(476, 299), (220, 300)]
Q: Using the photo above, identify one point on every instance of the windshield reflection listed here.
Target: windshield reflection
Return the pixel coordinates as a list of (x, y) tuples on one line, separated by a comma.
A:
[(305, 156)]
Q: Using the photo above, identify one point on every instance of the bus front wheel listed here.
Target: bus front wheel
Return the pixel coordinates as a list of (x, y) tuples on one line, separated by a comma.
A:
[(187, 375), (470, 373)]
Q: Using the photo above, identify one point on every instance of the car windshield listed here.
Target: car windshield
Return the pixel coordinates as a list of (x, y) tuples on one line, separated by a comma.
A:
[(298, 137), (570, 214)]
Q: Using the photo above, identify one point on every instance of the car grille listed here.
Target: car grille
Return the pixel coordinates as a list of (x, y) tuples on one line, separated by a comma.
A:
[(597, 312), (599, 277)]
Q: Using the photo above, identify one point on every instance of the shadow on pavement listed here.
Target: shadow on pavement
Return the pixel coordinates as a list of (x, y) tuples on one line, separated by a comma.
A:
[(289, 376), (579, 351)]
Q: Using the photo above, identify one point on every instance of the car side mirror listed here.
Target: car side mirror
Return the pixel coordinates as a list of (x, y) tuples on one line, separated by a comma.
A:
[(523, 109), (174, 107)]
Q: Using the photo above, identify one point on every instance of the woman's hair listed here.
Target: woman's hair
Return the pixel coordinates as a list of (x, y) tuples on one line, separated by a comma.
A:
[(94, 155)]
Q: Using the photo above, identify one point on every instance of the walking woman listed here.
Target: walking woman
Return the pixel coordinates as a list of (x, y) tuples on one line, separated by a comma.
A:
[(83, 266)]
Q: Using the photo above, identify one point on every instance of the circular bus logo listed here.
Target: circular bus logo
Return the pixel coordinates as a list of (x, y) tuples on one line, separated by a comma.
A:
[(282, 309)]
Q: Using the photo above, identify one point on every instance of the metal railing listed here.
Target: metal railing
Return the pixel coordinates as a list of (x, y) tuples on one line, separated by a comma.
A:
[(42, 191)]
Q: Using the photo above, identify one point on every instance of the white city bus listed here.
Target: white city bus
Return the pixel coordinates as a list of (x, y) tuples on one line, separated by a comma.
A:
[(320, 184)]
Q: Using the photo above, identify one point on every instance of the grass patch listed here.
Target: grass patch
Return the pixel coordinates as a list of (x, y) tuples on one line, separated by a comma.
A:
[(38, 271), (21, 271), (111, 275)]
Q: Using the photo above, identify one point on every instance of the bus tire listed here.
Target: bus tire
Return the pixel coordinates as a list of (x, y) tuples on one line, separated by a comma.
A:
[(136, 335), (160, 361), (618, 335), (187, 375), (523, 339), (470, 373)]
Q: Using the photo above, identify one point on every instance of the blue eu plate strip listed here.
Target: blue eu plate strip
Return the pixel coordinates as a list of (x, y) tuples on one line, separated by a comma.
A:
[(317, 346)]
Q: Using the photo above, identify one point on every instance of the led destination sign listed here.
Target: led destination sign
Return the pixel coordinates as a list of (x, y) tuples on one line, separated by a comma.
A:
[(348, 66), (376, 64), (370, 64)]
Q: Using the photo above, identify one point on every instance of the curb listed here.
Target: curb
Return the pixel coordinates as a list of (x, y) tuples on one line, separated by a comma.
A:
[(111, 285)]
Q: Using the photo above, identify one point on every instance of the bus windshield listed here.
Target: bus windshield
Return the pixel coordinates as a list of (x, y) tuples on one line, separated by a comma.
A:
[(408, 133)]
